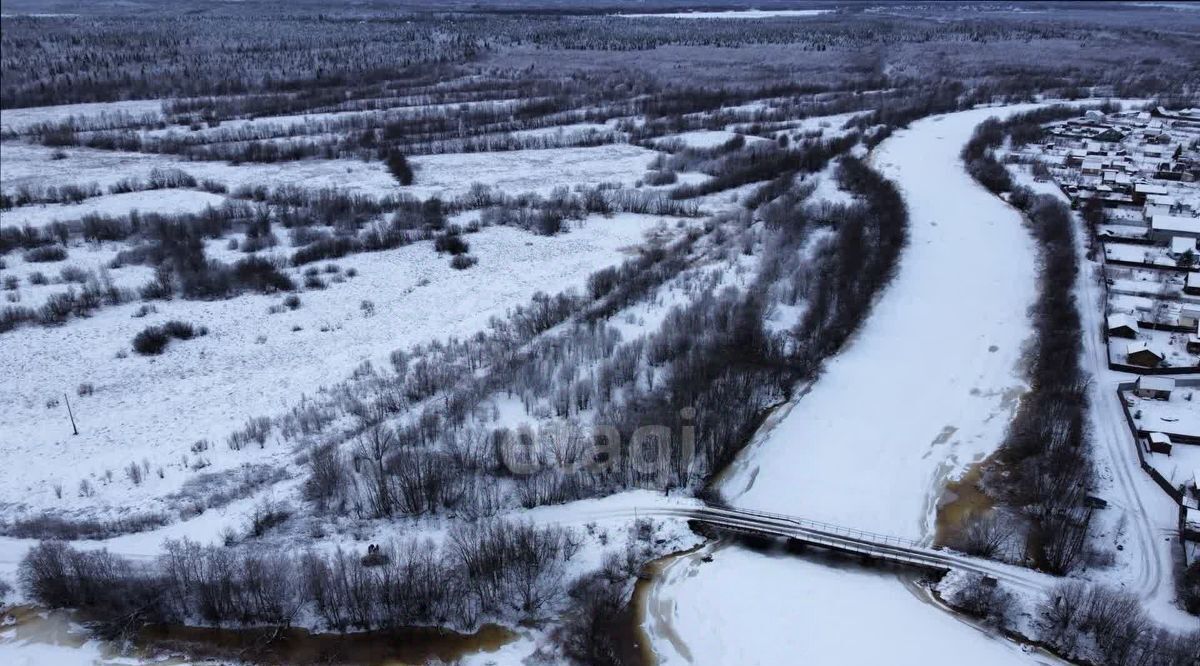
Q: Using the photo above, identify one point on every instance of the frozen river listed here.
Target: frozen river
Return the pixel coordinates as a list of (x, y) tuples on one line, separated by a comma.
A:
[(925, 389)]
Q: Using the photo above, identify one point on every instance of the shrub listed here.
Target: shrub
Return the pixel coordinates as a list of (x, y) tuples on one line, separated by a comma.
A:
[(73, 274), (452, 243), (134, 473), (332, 248), (13, 315), (58, 307), (46, 253), (151, 341), (182, 330), (212, 186), (38, 278), (660, 177), (398, 166), (85, 388), (291, 301), (463, 262), (261, 275)]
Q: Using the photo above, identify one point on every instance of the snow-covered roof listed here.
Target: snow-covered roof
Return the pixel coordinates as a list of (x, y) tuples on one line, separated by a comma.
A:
[(1175, 223), (1159, 438), (1181, 244), (1193, 280), (1156, 383), (1149, 188), (1140, 346), (1121, 320), (1150, 210)]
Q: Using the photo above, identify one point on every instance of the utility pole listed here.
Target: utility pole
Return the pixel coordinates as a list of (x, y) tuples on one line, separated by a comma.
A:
[(68, 401)]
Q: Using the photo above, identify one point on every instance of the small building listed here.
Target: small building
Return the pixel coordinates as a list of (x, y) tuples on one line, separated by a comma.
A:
[(1140, 353), (1159, 443), (1189, 316), (1141, 191), (1164, 227), (1193, 344), (1181, 245), (1192, 286), (1121, 325), (1154, 388)]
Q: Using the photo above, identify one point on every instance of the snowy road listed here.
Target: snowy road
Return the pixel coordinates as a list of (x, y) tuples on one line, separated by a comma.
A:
[(927, 387), (1147, 557)]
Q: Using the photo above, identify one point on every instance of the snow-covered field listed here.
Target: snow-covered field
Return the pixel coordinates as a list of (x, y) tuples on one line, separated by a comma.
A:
[(538, 171), (91, 258), (34, 165), (17, 120), (736, 14), (444, 175), (706, 138), (165, 202), (251, 363)]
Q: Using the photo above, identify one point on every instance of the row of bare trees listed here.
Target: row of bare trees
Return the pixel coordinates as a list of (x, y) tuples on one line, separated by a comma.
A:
[(486, 571), (1042, 469)]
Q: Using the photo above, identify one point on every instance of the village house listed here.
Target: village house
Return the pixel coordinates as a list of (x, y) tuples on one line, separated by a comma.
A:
[(1159, 443), (1189, 316), (1164, 227), (1091, 167), (1193, 344), (1154, 388), (1142, 192), (1181, 245), (1121, 325), (1139, 353), (1192, 286)]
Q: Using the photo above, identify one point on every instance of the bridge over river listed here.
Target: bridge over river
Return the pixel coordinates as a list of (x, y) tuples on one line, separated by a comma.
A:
[(852, 541)]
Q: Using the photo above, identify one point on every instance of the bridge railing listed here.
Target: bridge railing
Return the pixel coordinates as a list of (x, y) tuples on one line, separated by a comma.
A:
[(839, 530)]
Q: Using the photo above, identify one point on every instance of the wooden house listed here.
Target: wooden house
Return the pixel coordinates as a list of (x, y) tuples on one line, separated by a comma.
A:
[(1139, 353), (1121, 325), (1154, 388)]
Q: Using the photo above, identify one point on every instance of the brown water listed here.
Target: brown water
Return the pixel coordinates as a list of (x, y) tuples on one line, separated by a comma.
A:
[(414, 645), (171, 644), (960, 500), (641, 605)]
